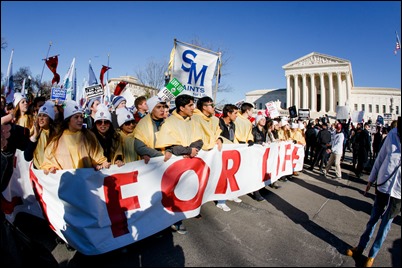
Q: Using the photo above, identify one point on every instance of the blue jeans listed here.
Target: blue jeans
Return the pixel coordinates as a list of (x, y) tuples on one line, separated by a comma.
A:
[(377, 212)]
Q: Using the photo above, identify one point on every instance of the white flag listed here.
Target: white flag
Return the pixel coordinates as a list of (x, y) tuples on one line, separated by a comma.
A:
[(68, 81), (9, 86), (195, 69)]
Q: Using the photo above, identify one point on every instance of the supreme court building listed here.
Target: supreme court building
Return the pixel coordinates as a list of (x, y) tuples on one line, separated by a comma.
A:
[(321, 83)]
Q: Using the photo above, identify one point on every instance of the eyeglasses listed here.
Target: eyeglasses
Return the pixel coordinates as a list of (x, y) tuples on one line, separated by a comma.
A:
[(130, 122), (103, 122), (210, 104)]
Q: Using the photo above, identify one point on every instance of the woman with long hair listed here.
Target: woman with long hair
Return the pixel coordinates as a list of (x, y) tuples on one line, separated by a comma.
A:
[(22, 116), (108, 138), (44, 131)]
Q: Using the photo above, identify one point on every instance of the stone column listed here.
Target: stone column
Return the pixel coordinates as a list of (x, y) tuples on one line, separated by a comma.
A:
[(305, 92), (296, 93), (340, 93), (348, 88), (313, 94), (322, 85), (331, 94), (288, 90)]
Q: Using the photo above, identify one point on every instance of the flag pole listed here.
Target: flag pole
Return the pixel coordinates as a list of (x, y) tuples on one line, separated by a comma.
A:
[(47, 55), (107, 75), (217, 78)]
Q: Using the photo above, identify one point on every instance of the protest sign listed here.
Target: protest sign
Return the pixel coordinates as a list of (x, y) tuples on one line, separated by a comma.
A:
[(342, 112), (58, 94), (272, 109), (94, 91), (304, 114), (171, 90)]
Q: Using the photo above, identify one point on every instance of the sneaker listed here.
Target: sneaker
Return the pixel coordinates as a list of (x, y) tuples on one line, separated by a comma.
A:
[(179, 228), (369, 262), (275, 185), (224, 207), (354, 252), (295, 173), (237, 200)]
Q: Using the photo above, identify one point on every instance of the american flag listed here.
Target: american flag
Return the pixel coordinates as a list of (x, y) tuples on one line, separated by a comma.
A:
[(398, 44)]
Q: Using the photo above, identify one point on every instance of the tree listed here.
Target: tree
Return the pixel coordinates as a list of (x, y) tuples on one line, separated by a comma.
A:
[(3, 43), (152, 75)]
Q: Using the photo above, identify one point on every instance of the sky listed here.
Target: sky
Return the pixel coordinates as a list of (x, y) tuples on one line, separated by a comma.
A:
[(256, 38)]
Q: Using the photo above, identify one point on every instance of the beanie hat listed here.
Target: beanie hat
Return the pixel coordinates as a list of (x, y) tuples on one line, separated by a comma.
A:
[(301, 125), (71, 109), (258, 117), (103, 113), (17, 98), (91, 102), (295, 125), (284, 121), (47, 109), (116, 101), (123, 116), (152, 102)]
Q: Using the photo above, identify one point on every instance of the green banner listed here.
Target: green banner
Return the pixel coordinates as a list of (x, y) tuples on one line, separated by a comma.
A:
[(171, 90)]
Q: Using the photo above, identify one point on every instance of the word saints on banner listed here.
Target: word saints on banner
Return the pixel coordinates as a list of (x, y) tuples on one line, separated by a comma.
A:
[(99, 211), (194, 69)]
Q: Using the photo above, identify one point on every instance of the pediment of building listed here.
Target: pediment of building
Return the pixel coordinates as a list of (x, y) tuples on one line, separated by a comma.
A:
[(315, 59)]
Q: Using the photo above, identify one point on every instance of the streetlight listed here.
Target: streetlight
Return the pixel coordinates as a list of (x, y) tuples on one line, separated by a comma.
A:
[(167, 78)]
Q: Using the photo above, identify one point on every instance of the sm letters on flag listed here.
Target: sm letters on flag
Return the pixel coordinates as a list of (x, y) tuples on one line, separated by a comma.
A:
[(194, 69)]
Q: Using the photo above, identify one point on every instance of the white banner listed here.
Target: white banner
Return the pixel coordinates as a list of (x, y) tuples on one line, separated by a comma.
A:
[(99, 211), (194, 69)]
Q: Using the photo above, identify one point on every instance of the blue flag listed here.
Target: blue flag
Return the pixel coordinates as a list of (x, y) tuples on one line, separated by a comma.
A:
[(92, 78)]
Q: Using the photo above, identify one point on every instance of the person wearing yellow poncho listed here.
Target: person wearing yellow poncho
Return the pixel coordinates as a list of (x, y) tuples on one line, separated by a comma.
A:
[(22, 116), (179, 136), (208, 123), (144, 132), (74, 146), (127, 124), (243, 133), (44, 130)]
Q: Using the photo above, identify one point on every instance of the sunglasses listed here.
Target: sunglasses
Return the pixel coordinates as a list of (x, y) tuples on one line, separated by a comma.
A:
[(130, 122), (103, 122), (210, 104)]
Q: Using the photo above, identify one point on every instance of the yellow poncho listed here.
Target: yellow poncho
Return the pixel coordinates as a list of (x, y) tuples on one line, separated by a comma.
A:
[(73, 151), (177, 131), (209, 128), (243, 132), (39, 153), (144, 131)]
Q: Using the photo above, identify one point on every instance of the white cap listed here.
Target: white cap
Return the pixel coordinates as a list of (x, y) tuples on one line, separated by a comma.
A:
[(47, 109), (295, 125), (123, 116), (275, 122), (284, 122), (301, 125), (152, 102), (258, 118), (103, 113), (71, 109), (17, 98)]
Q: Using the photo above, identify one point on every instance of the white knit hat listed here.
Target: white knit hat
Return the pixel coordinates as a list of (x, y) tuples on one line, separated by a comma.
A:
[(71, 109), (123, 116), (103, 113), (295, 125), (152, 102), (258, 118), (284, 122), (17, 98), (47, 109), (301, 125)]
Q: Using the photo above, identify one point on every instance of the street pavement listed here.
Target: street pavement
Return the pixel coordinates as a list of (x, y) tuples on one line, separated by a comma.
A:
[(309, 222)]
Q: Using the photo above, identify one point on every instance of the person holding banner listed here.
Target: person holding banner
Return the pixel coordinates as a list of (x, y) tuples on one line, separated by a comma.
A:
[(74, 146), (146, 129), (127, 124), (228, 127), (259, 136), (108, 138), (44, 131), (179, 136)]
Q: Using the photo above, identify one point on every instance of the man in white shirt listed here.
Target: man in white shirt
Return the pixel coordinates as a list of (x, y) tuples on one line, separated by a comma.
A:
[(336, 152)]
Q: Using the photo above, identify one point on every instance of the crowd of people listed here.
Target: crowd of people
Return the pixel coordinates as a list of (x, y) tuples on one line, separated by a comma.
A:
[(67, 136)]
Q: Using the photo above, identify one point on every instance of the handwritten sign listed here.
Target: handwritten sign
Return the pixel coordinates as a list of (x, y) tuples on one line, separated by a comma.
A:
[(58, 94), (94, 91)]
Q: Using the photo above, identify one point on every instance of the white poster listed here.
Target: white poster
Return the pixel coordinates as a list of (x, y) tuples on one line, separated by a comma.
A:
[(195, 70)]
